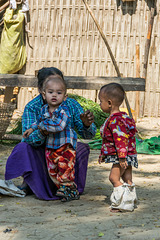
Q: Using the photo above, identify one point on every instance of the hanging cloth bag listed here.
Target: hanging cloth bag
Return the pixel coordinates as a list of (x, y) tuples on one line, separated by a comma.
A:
[(12, 46)]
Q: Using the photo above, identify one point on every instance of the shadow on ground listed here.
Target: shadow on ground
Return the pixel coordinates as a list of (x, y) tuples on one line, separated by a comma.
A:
[(88, 218)]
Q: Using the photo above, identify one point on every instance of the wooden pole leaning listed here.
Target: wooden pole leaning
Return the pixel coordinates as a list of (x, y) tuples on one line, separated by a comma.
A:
[(109, 50), (4, 6)]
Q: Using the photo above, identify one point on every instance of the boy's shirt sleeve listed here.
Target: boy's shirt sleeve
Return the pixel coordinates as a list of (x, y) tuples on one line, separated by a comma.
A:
[(29, 117), (120, 136), (103, 131)]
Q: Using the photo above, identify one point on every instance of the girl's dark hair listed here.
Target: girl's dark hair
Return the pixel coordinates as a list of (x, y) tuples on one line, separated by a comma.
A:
[(45, 72), (114, 91), (54, 78)]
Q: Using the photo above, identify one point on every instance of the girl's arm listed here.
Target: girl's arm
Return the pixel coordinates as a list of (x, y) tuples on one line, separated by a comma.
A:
[(56, 123)]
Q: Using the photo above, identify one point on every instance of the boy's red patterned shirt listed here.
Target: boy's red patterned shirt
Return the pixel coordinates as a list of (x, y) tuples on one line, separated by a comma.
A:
[(118, 135)]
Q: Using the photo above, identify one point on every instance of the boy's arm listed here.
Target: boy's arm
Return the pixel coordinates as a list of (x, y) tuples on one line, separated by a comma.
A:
[(123, 163), (101, 159)]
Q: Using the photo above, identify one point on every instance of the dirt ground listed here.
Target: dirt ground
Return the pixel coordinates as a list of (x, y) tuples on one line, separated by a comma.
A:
[(88, 218)]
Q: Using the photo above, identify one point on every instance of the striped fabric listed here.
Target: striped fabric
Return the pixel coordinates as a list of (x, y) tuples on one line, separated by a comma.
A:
[(58, 124), (60, 164)]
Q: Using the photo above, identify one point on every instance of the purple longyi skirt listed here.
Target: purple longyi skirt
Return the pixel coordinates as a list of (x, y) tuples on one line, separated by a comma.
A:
[(29, 162)]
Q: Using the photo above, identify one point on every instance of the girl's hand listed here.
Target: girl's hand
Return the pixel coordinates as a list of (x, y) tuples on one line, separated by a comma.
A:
[(27, 133), (43, 132), (123, 163), (101, 159)]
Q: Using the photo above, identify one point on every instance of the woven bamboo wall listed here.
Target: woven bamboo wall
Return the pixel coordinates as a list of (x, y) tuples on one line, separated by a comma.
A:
[(64, 35)]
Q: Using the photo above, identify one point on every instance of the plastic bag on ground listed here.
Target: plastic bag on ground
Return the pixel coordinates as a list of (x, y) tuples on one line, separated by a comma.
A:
[(124, 197), (7, 187)]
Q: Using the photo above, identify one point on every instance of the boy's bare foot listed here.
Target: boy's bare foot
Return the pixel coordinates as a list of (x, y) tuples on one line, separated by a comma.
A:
[(114, 210)]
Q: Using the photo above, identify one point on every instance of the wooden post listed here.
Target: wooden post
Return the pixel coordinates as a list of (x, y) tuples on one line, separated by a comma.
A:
[(8, 94), (148, 41), (137, 75), (147, 44), (109, 50)]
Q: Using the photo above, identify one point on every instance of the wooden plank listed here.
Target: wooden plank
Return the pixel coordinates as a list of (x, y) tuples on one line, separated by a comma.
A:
[(75, 82), (12, 137)]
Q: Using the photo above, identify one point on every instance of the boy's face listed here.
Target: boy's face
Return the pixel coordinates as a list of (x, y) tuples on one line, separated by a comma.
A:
[(105, 103), (55, 93)]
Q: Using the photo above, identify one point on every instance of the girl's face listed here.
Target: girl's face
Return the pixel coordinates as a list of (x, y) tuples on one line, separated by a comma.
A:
[(105, 103), (55, 93)]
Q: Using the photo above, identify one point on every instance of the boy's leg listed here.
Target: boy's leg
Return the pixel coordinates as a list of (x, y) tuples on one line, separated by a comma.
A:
[(115, 175), (118, 203), (127, 175), (127, 178)]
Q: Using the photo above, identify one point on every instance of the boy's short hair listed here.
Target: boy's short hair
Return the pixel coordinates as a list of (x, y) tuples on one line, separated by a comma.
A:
[(114, 91), (57, 78)]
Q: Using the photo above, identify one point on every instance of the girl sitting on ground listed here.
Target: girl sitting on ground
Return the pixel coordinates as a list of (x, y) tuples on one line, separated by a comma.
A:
[(118, 147)]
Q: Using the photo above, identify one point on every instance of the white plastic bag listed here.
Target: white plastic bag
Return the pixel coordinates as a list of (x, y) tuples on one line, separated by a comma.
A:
[(124, 197), (7, 187)]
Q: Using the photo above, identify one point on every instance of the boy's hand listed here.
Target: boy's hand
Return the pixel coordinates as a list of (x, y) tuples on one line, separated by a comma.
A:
[(123, 163), (27, 133), (87, 118), (101, 159)]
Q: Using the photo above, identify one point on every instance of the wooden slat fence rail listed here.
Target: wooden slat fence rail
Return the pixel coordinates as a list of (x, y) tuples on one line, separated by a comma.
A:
[(75, 82)]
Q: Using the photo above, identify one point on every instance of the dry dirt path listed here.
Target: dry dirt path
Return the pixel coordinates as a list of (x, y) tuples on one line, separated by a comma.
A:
[(90, 217)]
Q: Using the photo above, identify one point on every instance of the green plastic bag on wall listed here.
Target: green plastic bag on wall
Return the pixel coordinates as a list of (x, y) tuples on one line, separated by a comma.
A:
[(12, 46)]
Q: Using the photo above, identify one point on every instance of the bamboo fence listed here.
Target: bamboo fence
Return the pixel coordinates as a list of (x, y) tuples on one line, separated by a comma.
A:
[(64, 35)]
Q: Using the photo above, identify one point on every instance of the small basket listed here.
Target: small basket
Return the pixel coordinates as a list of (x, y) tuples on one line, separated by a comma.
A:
[(6, 112)]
